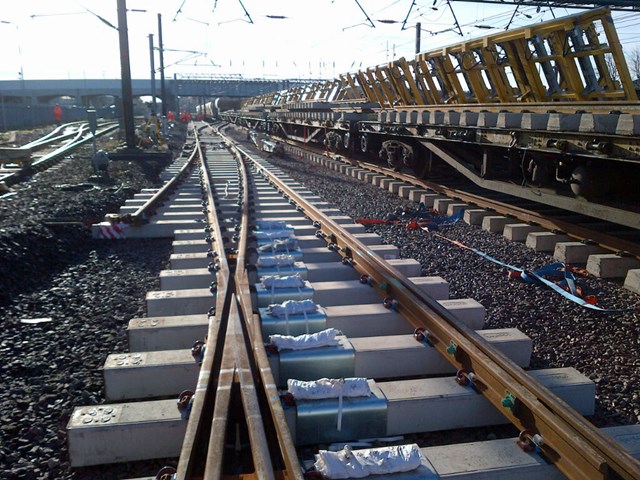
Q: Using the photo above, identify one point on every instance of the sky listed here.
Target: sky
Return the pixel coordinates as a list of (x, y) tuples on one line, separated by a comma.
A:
[(71, 39)]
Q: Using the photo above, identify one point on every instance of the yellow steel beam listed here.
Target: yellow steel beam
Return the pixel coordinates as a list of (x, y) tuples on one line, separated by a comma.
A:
[(375, 87), (349, 87), (618, 57), (427, 81), (383, 82), (561, 59), (397, 82), (499, 80), (472, 69)]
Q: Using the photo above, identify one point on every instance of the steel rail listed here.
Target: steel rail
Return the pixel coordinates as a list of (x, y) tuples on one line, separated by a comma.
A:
[(578, 232), (206, 394), (140, 216), (577, 448), (236, 369), (285, 441), (53, 135), (13, 178), (76, 142)]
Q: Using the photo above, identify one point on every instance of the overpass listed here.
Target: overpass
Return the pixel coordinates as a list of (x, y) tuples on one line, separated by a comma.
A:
[(25, 103)]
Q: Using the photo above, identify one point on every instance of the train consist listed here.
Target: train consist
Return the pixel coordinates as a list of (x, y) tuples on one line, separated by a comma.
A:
[(547, 112)]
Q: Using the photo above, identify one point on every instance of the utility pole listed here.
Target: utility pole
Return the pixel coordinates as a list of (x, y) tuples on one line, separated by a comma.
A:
[(418, 26), (154, 107), (163, 91), (127, 93)]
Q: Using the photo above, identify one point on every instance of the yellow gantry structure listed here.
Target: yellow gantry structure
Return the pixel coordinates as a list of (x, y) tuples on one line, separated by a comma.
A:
[(576, 58)]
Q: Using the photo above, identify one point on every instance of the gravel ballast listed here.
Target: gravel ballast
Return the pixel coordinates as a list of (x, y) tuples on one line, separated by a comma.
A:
[(85, 290)]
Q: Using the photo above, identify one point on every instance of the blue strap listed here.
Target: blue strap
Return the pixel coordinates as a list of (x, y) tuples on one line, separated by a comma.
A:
[(555, 269)]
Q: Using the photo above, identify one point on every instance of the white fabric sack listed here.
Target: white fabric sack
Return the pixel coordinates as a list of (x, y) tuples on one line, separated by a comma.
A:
[(324, 338), (328, 388), (349, 463), (284, 245), (292, 307), (274, 282), (283, 260), (271, 224), (273, 234)]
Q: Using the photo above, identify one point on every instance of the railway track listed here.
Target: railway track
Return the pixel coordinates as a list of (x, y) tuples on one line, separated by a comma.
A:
[(39, 154), (398, 334)]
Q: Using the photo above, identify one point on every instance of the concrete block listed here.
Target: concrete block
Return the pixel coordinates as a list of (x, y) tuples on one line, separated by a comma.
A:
[(400, 356), (193, 215), (365, 175), (342, 219), (545, 241), (610, 265), (487, 119), (377, 178), (496, 223), (285, 212), (407, 266), (186, 279), (166, 333), (436, 287), (344, 293), (366, 320), (468, 119), (330, 271), (575, 252), (467, 310), (441, 204), (385, 182), (185, 261), (416, 193), (405, 190), (161, 228), (190, 246), (628, 124), (454, 208), (179, 302), (306, 241), (265, 297), (429, 198), (450, 405), (509, 120), (126, 432), (387, 252), (503, 459), (518, 232), (149, 374), (564, 122), (368, 238), (293, 220), (475, 216), (632, 280), (271, 205), (394, 186)]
